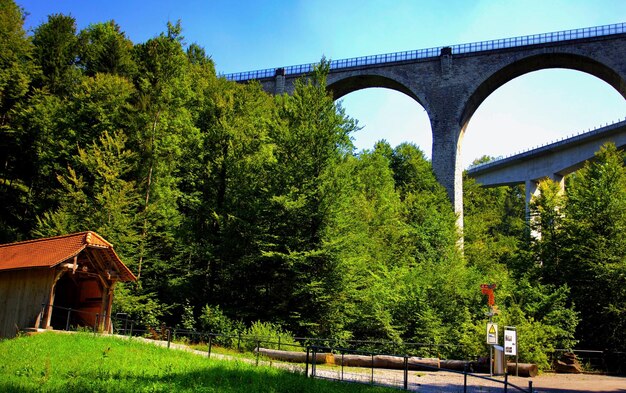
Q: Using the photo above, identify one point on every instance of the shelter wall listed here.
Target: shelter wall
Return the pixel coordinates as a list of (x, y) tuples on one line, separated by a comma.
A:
[(22, 293)]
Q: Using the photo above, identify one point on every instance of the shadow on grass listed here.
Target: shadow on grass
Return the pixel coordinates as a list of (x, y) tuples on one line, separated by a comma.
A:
[(214, 378)]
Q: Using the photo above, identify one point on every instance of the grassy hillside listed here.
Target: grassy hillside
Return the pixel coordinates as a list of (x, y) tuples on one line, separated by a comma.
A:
[(53, 362)]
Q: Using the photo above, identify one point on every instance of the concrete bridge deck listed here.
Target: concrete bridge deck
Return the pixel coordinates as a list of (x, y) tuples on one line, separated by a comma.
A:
[(552, 160)]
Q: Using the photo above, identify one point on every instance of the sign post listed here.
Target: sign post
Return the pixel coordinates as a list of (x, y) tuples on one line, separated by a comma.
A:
[(510, 345), (492, 339), (492, 328)]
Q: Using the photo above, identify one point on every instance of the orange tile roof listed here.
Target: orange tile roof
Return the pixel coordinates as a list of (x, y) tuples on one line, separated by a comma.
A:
[(49, 252)]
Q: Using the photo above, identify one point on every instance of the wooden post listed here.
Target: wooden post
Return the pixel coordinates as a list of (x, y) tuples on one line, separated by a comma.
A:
[(109, 326), (101, 326), (105, 295), (406, 372), (40, 315), (50, 303), (306, 372)]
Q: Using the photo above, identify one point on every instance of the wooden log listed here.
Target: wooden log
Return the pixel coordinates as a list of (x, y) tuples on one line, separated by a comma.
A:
[(354, 360), (424, 364), (294, 357), (456, 365), (524, 369), (389, 362), (394, 362), (528, 370)]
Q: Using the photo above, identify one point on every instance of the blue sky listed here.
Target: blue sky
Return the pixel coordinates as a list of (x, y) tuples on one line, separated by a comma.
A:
[(247, 35)]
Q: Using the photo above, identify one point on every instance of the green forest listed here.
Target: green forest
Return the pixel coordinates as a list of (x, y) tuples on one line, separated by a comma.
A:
[(234, 206)]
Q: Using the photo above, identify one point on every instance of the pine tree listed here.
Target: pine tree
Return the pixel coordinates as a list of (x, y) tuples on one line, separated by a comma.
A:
[(595, 268)]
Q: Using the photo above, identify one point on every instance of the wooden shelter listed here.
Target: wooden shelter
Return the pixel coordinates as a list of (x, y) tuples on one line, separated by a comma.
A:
[(54, 282)]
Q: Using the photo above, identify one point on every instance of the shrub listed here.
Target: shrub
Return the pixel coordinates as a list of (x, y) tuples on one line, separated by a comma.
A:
[(269, 335), (187, 320), (213, 320)]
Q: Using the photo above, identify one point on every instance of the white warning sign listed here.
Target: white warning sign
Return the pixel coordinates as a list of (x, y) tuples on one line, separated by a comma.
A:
[(492, 333)]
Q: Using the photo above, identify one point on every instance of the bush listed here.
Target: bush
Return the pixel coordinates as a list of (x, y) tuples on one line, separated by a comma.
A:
[(142, 308), (269, 335), (187, 320), (213, 320), (233, 334)]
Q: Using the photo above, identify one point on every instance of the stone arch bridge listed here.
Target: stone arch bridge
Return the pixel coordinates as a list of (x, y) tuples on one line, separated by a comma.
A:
[(451, 82)]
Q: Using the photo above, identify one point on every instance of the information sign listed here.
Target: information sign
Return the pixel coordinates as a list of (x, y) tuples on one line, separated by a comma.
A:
[(492, 333), (510, 342)]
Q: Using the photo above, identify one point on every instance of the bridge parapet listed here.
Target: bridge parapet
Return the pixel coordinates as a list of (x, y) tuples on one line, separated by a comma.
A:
[(482, 46)]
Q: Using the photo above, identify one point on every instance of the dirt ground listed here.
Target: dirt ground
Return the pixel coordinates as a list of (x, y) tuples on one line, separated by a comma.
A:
[(447, 382), (441, 381), (566, 383)]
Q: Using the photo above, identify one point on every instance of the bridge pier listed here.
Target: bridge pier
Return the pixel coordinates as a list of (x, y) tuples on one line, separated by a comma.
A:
[(533, 191), (446, 162)]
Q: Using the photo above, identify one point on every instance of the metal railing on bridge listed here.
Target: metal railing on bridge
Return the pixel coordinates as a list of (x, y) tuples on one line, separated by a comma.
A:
[(566, 35)]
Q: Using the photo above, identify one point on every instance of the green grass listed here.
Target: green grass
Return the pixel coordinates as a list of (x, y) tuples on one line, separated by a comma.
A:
[(222, 351), (53, 362)]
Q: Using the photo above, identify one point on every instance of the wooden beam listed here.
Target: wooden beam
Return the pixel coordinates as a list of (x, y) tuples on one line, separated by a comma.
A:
[(50, 303), (98, 265), (109, 326), (103, 309), (94, 258)]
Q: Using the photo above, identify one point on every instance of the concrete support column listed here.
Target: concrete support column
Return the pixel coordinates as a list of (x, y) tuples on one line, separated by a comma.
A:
[(446, 162), (531, 191), (561, 180)]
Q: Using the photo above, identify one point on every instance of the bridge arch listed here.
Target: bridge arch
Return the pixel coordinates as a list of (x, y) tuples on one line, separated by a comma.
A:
[(536, 63), (388, 114), (341, 86)]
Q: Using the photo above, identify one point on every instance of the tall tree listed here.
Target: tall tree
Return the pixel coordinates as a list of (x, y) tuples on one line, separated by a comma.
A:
[(164, 126), (427, 208), (104, 48), (226, 188), (16, 68), (16, 72), (99, 195), (495, 228), (546, 223), (56, 53), (313, 140), (367, 235), (595, 226)]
